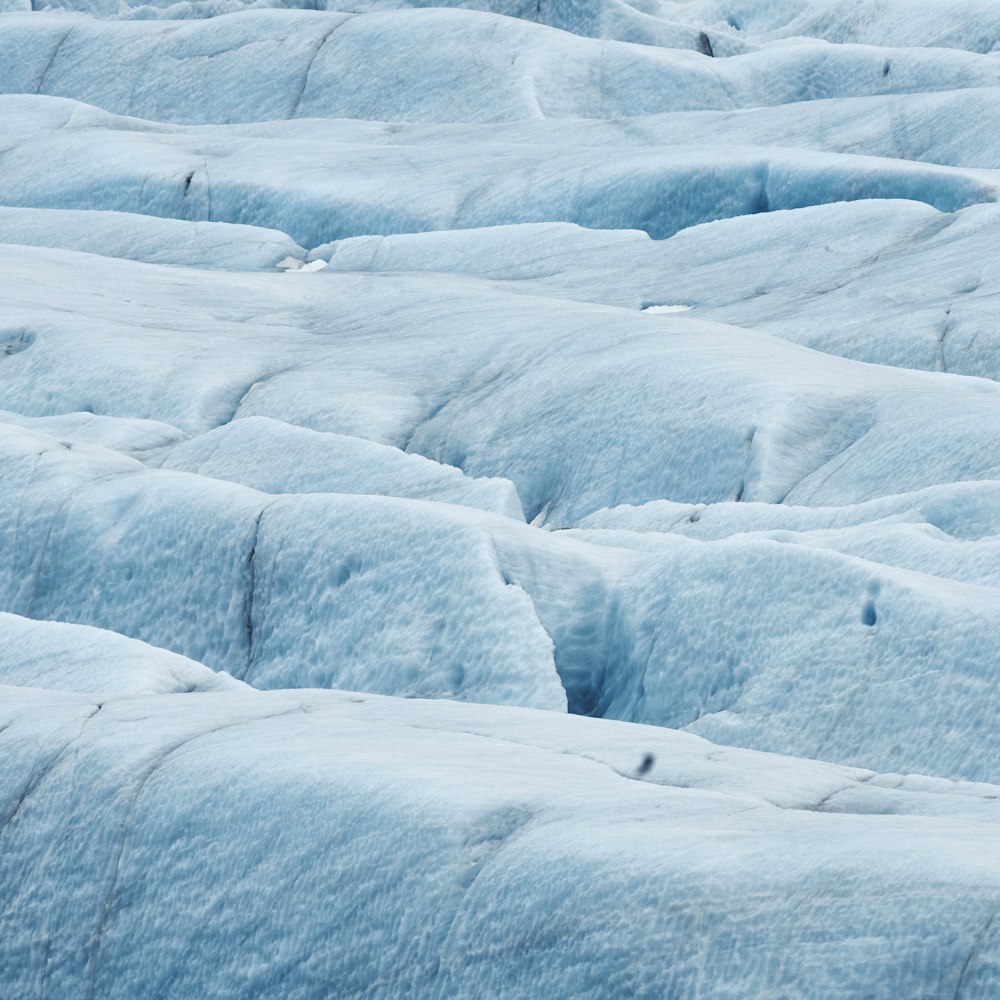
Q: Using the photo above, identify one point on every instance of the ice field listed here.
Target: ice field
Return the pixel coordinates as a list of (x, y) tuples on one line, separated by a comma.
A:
[(500, 499)]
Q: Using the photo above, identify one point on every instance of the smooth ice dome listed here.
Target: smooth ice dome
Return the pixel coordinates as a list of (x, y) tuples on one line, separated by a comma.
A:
[(500, 499)]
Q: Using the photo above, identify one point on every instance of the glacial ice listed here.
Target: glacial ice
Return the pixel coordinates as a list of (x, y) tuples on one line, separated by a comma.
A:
[(499, 499), (276, 457), (63, 657), (143, 238), (261, 843)]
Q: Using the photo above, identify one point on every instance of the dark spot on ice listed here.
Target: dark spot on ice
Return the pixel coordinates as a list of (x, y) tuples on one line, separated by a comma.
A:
[(646, 764), (886, 66), (67, 445), (16, 339), (187, 183), (705, 44), (734, 24), (872, 589), (341, 575)]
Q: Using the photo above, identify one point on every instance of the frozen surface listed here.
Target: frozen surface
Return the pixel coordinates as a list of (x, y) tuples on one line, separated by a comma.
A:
[(243, 845), (320, 590), (265, 64), (140, 237), (281, 458), (324, 183), (63, 657), (385, 390)]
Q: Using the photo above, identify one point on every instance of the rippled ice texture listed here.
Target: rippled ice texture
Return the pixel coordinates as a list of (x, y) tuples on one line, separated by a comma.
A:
[(500, 499)]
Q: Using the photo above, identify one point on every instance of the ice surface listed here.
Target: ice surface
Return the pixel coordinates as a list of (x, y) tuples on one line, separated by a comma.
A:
[(140, 237), (406, 597), (928, 277), (63, 657), (325, 186), (281, 458), (778, 423), (633, 360), (322, 590), (265, 64), (245, 844)]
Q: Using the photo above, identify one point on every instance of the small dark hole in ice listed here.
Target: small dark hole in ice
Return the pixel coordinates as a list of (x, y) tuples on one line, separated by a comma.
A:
[(15, 340), (646, 764), (868, 616)]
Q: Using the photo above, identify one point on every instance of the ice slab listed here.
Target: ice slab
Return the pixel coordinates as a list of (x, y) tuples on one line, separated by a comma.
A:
[(972, 25), (314, 590), (890, 282), (762, 660), (132, 437), (969, 510), (663, 419), (276, 64), (328, 187), (63, 657), (246, 844), (141, 237), (276, 457)]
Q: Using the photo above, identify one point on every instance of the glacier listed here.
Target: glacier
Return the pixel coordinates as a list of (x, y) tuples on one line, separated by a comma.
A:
[(499, 499)]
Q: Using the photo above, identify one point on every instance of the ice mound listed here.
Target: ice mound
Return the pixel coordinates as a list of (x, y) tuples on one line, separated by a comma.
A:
[(247, 844), (63, 657), (276, 457)]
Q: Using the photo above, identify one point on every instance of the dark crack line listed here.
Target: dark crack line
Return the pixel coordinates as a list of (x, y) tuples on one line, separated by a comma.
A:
[(431, 414), (255, 384), (39, 777), (501, 378), (309, 67), (52, 59), (107, 908), (821, 805), (832, 466), (56, 515), (250, 593), (945, 330), (493, 847), (976, 945)]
